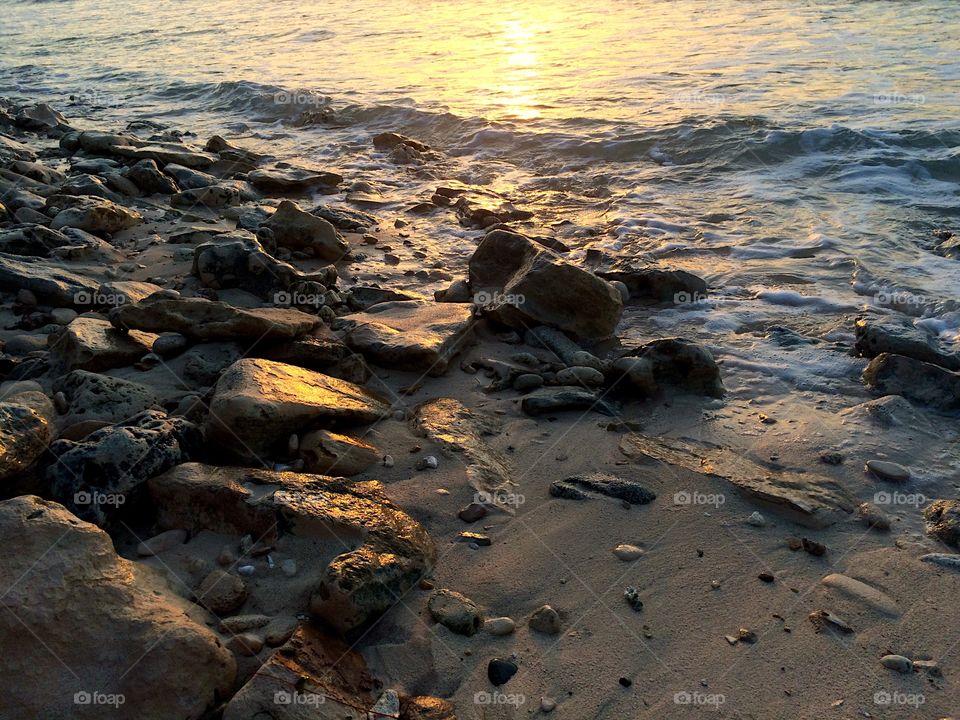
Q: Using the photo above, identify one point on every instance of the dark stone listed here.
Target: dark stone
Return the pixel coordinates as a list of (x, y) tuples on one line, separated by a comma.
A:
[(500, 671), (579, 487), (558, 399)]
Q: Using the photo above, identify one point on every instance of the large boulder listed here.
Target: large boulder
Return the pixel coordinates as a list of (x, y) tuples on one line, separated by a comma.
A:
[(258, 404), (296, 229), (521, 284), (211, 320), (96, 635), (379, 551), (55, 285), (101, 474), (914, 379), (414, 335), (241, 261), (89, 343), (91, 396)]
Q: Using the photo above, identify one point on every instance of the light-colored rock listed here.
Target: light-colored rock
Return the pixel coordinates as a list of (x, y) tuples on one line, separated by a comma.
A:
[(545, 620), (898, 663), (78, 605), (456, 612), (257, 404), (500, 626), (210, 320), (89, 343), (862, 593), (888, 470), (328, 453), (93, 214), (413, 335), (627, 553)]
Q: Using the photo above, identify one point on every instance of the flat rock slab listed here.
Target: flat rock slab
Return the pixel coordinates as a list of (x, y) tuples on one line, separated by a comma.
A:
[(582, 487), (863, 593), (875, 336), (415, 335), (89, 343), (116, 623), (210, 320), (381, 551), (460, 433), (50, 283), (922, 382), (564, 398), (291, 180), (258, 404), (812, 499)]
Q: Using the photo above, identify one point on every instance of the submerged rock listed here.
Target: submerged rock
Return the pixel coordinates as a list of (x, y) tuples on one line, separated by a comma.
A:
[(258, 404), (109, 612), (520, 284), (387, 551), (209, 320), (417, 335)]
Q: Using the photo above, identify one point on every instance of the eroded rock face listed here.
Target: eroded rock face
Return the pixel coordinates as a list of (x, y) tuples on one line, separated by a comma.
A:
[(296, 229), (118, 629), (241, 261), (26, 429), (98, 476), (259, 403), (91, 396), (528, 285), (314, 677), (211, 320), (460, 433), (389, 552), (914, 379), (89, 343), (413, 335), (93, 214), (811, 499)]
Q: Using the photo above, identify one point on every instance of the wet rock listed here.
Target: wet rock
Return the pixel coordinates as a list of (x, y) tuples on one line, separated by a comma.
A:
[(92, 214), (329, 453), (97, 476), (213, 197), (387, 141), (89, 343), (899, 663), (913, 379), (345, 218), (188, 178), (529, 285), (362, 297), (499, 626), (209, 320), (500, 671), (460, 433), (683, 365), (569, 352), (545, 620), (875, 336), (889, 471), (240, 261), (114, 610), (651, 282), (91, 396), (296, 229), (277, 181), (53, 284), (943, 521), (26, 429), (164, 153), (864, 594), (390, 551), (147, 176), (457, 613), (315, 676), (549, 400), (582, 487), (258, 403), (811, 499), (418, 336)]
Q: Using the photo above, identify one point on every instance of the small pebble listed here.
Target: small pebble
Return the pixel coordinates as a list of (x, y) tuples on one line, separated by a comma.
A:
[(757, 520), (632, 596), (889, 471), (547, 704), (246, 570), (545, 620), (897, 662), (500, 626), (472, 512), (429, 462), (499, 671), (627, 553), (388, 461), (289, 567)]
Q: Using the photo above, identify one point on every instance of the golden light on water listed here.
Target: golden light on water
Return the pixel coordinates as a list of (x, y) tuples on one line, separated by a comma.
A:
[(520, 60)]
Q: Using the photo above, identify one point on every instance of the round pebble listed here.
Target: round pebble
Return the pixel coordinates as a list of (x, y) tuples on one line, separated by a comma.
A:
[(627, 553)]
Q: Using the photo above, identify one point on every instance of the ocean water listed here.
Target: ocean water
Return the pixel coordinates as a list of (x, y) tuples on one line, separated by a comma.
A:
[(798, 155)]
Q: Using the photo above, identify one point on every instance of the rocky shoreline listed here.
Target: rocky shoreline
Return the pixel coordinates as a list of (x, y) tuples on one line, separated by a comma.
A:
[(248, 472)]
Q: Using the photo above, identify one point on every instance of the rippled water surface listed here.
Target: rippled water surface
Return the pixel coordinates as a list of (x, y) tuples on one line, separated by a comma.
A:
[(797, 154)]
